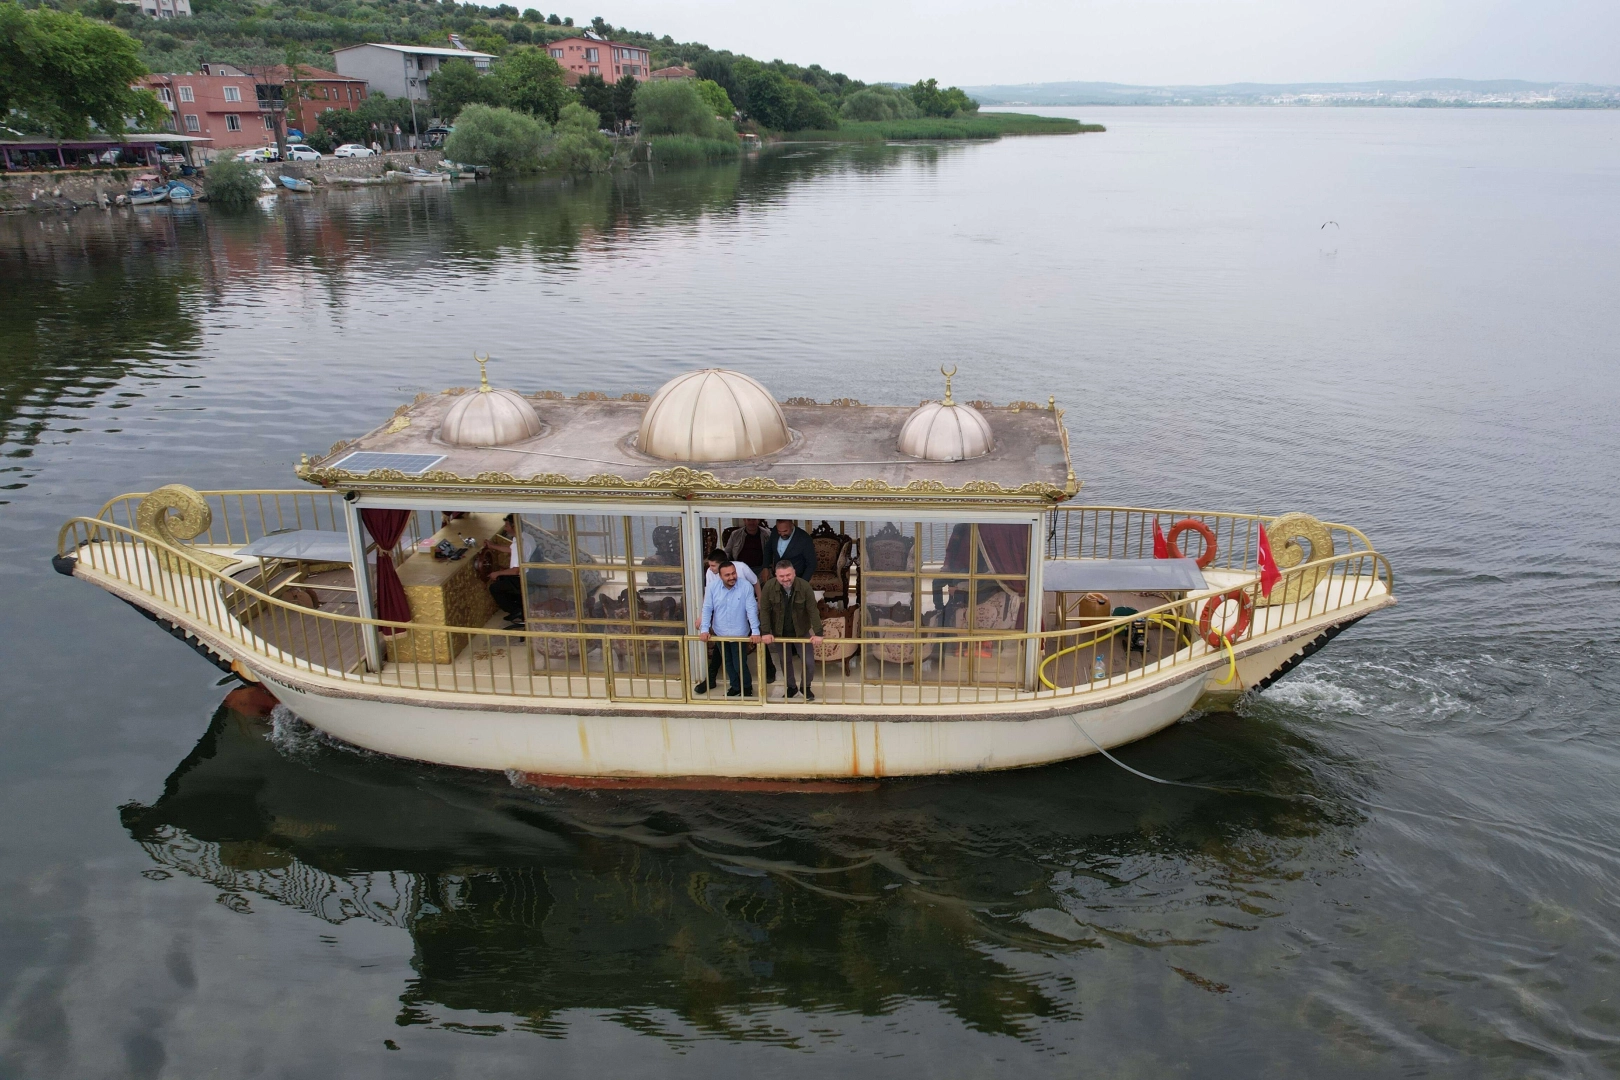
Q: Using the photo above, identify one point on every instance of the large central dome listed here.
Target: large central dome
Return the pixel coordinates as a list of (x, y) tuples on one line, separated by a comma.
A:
[(712, 415)]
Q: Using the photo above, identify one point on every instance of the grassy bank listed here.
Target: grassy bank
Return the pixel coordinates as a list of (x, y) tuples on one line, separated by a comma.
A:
[(678, 150), (979, 126)]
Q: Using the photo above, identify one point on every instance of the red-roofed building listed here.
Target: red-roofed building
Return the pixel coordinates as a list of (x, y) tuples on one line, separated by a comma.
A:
[(236, 109), (672, 73), (593, 56)]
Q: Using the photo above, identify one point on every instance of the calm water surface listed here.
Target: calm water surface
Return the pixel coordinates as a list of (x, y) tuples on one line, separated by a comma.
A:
[(1400, 319)]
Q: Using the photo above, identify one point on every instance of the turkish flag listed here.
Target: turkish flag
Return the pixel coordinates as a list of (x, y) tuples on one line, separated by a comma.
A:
[(1161, 546), (1269, 574)]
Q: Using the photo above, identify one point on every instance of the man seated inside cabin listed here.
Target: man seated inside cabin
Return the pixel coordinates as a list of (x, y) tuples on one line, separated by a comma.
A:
[(787, 609), (746, 545), (793, 544), (505, 587), (731, 611), (711, 581)]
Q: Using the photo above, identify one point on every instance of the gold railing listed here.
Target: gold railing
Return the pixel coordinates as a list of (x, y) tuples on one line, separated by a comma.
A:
[(659, 666), (1126, 532)]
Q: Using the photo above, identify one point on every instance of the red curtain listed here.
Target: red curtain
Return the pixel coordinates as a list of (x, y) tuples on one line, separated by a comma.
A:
[(386, 527), (1007, 548)]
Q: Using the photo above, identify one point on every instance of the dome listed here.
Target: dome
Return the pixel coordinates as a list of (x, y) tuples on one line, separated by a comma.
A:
[(712, 415), (946, 431), (490, 418)]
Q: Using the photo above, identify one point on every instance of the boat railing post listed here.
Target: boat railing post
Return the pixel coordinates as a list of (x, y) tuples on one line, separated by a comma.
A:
[(1034, 602), (362, 585), (693, 564)]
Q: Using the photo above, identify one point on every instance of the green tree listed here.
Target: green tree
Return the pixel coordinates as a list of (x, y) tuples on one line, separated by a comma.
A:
[(530, 81), (580, 147), (231, 182), (770, 98), (719, 71), (810, 111), (66, 72), (936, 102), (504, 140), (553, 20), (597, 95), (624, 99), (715, 96), (458, 84), (879, 103), (341, 127), (676, 107)]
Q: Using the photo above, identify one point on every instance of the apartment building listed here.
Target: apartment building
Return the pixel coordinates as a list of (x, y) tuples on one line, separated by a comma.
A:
[(593, 56), (237, 109), (400, 71)]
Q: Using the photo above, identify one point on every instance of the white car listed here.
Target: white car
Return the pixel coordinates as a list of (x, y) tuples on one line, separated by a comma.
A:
[(352, 150), (260, 153), (300, 152)]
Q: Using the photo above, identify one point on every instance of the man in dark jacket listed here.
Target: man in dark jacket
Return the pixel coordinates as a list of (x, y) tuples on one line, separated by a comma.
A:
[(787, 609), (793, 544)]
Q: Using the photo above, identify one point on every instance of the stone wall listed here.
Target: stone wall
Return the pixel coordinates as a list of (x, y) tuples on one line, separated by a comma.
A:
[(73, 190)]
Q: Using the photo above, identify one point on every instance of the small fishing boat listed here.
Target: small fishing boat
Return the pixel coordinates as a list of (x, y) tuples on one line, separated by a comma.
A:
[(145, 197), (265, 183), (971, 616), (423, 176), (293, 183), (179, 193)]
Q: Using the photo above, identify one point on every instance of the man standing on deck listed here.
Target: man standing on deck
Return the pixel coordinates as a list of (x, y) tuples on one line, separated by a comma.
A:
[(793, 544), (731, 611), (787, 608), (747, 546), (711, 582)]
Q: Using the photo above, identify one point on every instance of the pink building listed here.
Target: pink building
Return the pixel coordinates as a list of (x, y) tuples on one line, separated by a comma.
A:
[(223, 103), (592, 56)]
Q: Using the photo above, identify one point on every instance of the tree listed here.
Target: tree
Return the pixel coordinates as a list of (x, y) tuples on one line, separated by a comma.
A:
[(596, 94), (533, 15), (770, 99), (810, 111), (66, 72), (231, 182), (530, 81), (580, 147), (342, 126), (553, 20), (714, 95), (456, 85), (518, 34), (624, 98), (500, 138), (676, 107), (936, 102), (602, 27), (879, 103)]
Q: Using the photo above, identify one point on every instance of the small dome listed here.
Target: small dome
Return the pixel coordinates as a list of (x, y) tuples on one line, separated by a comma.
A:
[(946, 431), (712, 415), (489, 417)]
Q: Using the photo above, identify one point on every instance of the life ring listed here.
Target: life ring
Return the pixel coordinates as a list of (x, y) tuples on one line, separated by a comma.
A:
[(1237, 629), (1202, 530)]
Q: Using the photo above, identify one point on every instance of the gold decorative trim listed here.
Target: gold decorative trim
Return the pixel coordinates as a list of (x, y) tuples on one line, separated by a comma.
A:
[(635, 395), (421, 399), (982, 404), (549, 395), (800, 401), (173, 514), (682, 481), (1020, 406), (340, 446), (843, 401), (455, 391), (591, 395), (396, 425)]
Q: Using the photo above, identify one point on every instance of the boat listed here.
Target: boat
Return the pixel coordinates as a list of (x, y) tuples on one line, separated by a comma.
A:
[(265, 183), (179, 193), (423, 176), (140, 197), (975, 615), (293, 183)]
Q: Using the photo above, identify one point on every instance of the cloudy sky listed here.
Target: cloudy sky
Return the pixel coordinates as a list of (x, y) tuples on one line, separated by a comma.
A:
[(1156, 41)]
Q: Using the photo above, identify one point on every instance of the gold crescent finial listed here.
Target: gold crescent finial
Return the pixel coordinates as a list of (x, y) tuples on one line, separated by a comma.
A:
[(948, 375), (483, 375)]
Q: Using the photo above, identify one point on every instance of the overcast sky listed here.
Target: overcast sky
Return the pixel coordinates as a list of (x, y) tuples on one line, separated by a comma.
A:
[(1154, 41)]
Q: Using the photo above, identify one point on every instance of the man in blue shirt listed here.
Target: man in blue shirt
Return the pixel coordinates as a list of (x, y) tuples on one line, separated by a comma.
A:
[(731, 611)]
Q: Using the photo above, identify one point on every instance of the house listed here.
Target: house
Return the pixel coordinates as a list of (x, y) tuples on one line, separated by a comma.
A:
[(237, 109), (672, 73), (160, 9), (400, 70), (591, 55)]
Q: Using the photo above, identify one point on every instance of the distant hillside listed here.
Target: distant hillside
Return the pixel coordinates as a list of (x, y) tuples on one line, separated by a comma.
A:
[(1500, 93)]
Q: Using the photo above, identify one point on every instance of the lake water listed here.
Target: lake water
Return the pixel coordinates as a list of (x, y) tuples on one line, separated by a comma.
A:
[(1405, 320)]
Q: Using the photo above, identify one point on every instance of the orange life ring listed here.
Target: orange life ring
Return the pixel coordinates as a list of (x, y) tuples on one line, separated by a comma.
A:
[(1202, 530), (1215, 603)]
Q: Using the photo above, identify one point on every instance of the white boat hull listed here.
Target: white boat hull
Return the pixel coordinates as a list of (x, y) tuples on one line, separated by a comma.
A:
[(600, 744)]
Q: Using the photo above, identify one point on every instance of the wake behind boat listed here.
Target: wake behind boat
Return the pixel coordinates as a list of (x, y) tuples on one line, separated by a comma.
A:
[(970, 619)]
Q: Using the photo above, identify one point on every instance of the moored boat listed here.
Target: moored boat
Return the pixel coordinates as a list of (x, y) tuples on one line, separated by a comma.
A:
[(972, 618), (294, 183)]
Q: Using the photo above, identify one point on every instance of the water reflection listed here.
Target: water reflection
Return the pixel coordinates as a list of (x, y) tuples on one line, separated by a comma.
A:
[(971, 893)]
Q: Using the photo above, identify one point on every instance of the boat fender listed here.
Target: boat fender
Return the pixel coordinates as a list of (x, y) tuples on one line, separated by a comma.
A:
[(1202, 530), (64, 564), (1206, 619)]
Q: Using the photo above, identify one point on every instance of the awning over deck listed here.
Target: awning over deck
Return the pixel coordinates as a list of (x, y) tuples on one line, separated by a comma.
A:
[(1122, 575)]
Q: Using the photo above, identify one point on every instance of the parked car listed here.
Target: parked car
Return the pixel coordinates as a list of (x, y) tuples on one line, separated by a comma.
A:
[(300, 152), (260, 153), (352, 150)]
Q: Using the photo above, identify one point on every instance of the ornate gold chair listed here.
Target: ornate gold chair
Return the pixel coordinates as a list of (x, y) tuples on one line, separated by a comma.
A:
[(834, 556)]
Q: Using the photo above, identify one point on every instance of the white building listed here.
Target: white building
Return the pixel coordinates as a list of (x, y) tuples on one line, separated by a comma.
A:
[(396, 70), (160, 9)]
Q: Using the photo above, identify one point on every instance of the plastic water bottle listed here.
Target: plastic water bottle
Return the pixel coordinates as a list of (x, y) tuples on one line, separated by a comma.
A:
[(1099, 671)]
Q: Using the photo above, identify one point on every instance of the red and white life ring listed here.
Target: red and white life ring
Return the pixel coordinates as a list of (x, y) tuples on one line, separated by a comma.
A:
[(1206, 620), (1201, 529)]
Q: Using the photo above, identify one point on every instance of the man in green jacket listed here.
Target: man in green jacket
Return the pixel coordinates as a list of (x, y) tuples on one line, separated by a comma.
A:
[(787, 609)]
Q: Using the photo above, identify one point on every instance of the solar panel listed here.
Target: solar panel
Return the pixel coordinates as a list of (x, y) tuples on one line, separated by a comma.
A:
[(363, 461)]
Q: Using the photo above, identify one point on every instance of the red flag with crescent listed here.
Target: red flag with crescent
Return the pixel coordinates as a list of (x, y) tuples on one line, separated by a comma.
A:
[(1269, 574), (1161, 546)]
